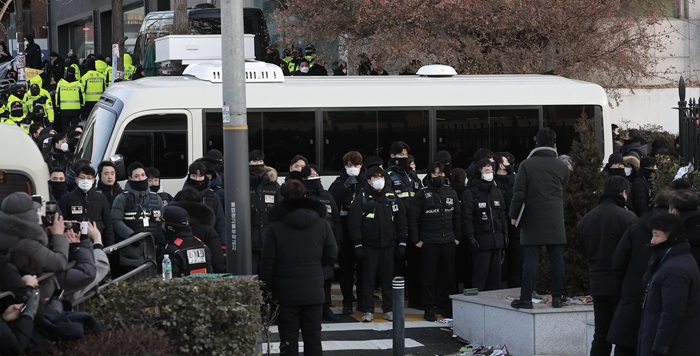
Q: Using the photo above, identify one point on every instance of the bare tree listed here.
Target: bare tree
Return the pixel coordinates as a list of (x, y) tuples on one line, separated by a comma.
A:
[(181, 25), (609, 42)]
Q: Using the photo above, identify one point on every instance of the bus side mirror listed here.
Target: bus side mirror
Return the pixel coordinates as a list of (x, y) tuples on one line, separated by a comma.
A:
[(118, 161)]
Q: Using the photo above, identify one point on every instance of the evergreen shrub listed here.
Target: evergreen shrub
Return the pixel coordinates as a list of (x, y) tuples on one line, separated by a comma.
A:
[(201, 316)]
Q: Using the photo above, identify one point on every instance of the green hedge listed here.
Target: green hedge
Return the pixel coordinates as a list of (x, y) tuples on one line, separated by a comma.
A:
[(202, 316)]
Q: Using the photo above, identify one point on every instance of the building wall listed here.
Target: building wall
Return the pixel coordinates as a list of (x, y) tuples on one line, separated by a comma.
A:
[(643, 107)]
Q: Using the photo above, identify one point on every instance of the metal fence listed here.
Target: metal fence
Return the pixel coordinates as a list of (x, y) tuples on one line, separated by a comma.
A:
[(148, 269), (688, 126)]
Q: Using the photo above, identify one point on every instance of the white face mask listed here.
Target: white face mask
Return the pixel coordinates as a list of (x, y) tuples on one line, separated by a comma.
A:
[(352, 171), (64, 147), (378, 184), (466, 180), (628, 171), (85, 184), (304, 69), (487, 176)]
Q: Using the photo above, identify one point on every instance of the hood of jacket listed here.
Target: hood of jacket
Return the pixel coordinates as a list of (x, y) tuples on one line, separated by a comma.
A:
[(298, 213), (15, 229), (127, 60), (480, 184), (37, 80), (198, 212), (271, 173)]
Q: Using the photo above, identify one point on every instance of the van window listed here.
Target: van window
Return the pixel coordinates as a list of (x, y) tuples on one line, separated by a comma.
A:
[(281, 135), (372, 133), (157, 141), (14, 182)]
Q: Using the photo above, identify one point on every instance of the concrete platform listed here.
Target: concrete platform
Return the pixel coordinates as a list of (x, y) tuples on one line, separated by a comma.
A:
[(489, 319)]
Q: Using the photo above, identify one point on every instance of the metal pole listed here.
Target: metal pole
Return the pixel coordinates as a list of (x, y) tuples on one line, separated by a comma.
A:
[(238, 243), (682, 122), (399, 317)]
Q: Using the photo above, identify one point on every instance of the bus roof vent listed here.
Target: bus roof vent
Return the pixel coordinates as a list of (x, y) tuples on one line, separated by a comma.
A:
[(255, 72), (436, 70)]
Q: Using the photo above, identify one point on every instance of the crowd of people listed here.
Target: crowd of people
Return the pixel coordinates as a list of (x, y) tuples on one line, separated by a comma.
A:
[(63, 93), (296, 61)]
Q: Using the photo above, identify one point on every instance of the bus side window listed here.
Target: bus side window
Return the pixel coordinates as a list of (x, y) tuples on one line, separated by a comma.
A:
[(159, 141)]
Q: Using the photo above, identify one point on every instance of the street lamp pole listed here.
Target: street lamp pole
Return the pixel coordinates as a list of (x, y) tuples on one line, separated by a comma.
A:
[(235, 121)]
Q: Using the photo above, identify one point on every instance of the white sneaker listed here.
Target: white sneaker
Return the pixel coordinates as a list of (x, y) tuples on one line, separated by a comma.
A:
[(389, 316), (367, 316)]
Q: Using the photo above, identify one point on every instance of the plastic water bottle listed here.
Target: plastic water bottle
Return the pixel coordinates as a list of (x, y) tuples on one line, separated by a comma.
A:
[(167, 268)]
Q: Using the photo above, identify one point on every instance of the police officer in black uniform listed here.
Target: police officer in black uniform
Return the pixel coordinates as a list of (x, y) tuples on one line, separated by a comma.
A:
[(189, 255), (264, 193), (136, 210), (434, 223), (405, 183), (315, 191), (344, 190), (378, 229), (485, 226)]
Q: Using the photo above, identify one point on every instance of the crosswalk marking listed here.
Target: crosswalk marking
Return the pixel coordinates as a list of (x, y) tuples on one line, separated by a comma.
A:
[(372, 326), (380, 344)]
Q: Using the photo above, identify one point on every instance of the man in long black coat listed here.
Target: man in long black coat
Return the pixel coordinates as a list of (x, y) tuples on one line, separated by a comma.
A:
[(600, 232), (538, 192)]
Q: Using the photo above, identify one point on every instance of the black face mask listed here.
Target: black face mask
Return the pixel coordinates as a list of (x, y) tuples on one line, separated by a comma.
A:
[(256, 169), (401, 162), (509, 169), (16, 113), (616, 172), (58, 189), (437, 181), (155, 188), (34, 91), (139, 185), (197, 184), (313, 184)]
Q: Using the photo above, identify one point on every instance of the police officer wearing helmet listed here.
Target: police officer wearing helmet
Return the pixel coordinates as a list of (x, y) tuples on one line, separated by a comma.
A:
[(434, 226), (189, 255), (378, 229)]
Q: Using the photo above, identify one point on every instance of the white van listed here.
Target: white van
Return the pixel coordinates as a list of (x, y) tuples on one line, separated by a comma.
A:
[(168, 122), (22, 168)]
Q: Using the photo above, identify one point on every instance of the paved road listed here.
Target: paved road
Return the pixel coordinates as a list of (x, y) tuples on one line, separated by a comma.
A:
[(349, 336)]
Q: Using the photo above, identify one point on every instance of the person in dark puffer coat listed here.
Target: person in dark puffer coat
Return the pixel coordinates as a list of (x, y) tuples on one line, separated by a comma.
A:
[(671, 315), (629, 263), (299, 242), (202, 222)]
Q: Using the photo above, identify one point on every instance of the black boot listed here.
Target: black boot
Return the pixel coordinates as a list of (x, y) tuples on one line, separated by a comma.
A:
[(329, 315)]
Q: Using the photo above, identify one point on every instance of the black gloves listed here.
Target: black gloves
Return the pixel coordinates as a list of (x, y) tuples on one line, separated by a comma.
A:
[(401, 251), (359, 252), (473, 245), (32, 304), (350, 182)]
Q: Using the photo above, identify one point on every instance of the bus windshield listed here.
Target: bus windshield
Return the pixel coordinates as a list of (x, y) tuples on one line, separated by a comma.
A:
[(99, 129)]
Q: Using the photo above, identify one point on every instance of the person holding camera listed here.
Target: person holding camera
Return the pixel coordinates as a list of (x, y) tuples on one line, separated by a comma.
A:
[(86, 205), (17, 324), (21, 231)]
